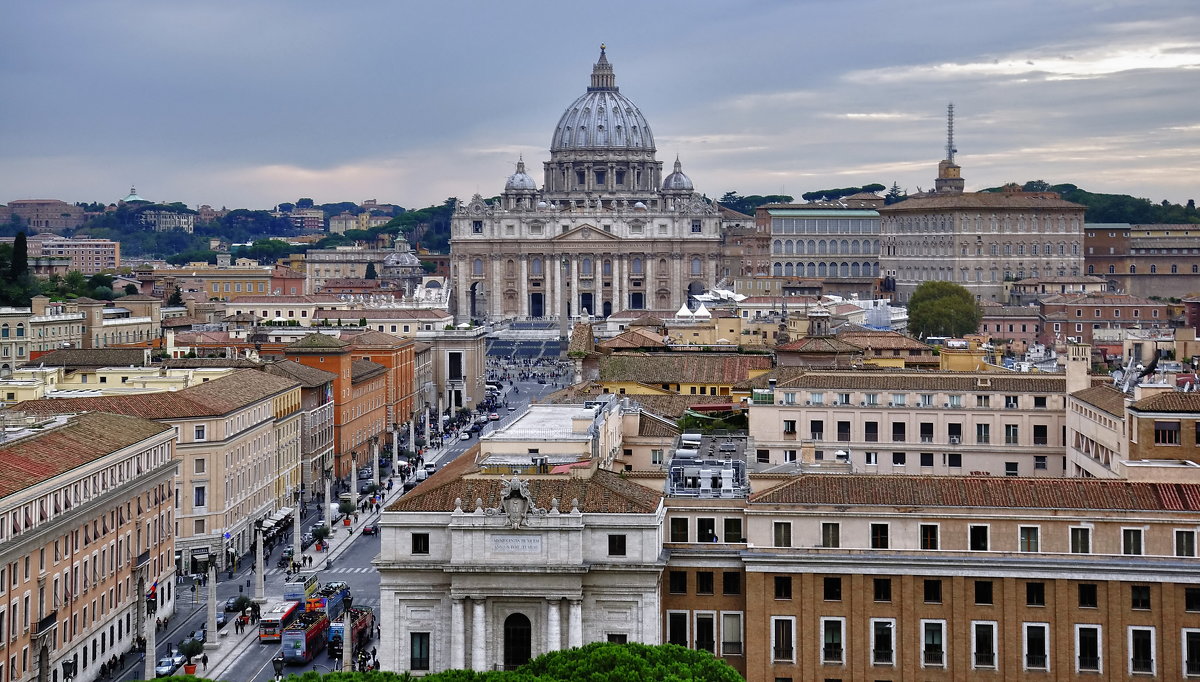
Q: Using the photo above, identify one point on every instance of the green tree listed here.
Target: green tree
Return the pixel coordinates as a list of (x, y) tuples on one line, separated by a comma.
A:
[(131, 289), (19, 266), (176, 298), (371, 271), (894, 195), (304, 202), (942, 309)]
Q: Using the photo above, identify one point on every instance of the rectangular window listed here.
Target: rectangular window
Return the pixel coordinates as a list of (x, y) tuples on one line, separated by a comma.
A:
[(1081, 540), (1141, 650), (1087, 648), (679, 529), (1012, 469), (677, 582), (1012, 434), (1041, 437), (977, 538), (1185, 543), (706, 632), (783, 587), (1191, 599), (983, 644), (733, 530), (781, 639), (706, 530), (1012, 402), (1035, 593), (731, 582), (1131, 541), (783, 534), (933, 591), (677, 628), (898, 432), (789, 426), (871, 432), (731, 634), (898, 459), (831, 534), (883, 645), (420, 543), (1139, 597), (883, 589), (929, 536), (1036, 641), (705, 582), (616, 545), (1088, 596), (933, 643), (832, 589), (418, 654), (983, 400), (198, 433), (1028, 539), (199, 496), (879, 536), (927, 458), (832, 635), (1166, 433), (983, 433), (1191, 652), (656, 456)]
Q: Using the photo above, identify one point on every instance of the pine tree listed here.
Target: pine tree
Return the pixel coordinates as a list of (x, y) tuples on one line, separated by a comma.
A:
[(20, 258), (176, 298), (371, 271)]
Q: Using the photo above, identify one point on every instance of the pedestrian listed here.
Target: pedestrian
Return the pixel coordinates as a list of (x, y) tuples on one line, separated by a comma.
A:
[(204, 661)]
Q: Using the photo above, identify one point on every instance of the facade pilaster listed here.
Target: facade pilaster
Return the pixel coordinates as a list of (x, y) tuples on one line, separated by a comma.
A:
[(478, 634), (575, 623), (574, 265), (458, 635), (553, 625), (523, 288)]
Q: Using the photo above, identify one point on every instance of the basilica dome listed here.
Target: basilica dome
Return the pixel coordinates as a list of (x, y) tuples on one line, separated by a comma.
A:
[(677, 181), (602, 118), (520, 181)]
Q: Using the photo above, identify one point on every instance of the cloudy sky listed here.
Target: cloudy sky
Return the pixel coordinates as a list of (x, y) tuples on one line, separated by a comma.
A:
[(246, 104)]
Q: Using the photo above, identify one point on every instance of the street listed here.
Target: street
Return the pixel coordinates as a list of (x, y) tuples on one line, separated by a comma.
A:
[(240, 657)]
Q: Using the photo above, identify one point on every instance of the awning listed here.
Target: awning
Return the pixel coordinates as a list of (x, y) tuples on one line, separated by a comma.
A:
[(200, 555)]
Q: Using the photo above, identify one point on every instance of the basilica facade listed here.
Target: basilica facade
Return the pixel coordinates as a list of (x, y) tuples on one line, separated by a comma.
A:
[(605, 232)]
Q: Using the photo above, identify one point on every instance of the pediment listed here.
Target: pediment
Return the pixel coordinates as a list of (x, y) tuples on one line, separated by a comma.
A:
[(585, 233)]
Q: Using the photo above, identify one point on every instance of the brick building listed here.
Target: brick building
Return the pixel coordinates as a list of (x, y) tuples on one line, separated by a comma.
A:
[(1144, 260), (1076, 316)]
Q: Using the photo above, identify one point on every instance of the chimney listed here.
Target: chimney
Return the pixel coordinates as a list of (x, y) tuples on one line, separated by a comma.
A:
[(1079, 363)]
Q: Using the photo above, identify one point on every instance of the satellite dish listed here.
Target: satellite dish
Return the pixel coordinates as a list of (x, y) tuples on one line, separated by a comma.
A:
[(1117, 375)]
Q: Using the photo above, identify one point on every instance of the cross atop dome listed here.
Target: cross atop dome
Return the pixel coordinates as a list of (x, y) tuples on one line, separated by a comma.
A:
[(602, 74)]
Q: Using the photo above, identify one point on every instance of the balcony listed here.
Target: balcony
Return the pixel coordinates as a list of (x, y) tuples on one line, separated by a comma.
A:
[(1092, 663), (934, 657), (1035, 661), (731, 648), (882, 656), (705, 645), (985, 659), (1142, 665), (781, 653), (817, 435), (831, 653), (1191, 666), (926, 439)]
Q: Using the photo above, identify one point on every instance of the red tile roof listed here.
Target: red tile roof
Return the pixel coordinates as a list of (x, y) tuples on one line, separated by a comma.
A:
[(83, 439), (1103, 397), (681, 368), (209, 399), (983, 492), (1172, 401)]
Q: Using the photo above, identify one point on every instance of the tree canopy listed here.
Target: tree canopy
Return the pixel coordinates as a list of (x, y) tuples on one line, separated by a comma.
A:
[(942, 309), (1116, 208), (748, 204), (835, 194)]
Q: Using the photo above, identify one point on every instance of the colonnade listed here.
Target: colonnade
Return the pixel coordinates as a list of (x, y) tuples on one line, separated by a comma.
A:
[(477, 640)]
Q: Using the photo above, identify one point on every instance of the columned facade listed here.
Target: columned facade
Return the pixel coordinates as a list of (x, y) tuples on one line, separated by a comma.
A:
[(603, 220)]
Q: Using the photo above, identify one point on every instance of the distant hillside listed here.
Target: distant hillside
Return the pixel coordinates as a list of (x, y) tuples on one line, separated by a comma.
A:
[(1117, 208)]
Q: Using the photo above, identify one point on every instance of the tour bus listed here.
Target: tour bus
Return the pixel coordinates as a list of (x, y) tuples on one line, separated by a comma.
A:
[(301, 587), (276, 617), (329, 599), (305, 637)]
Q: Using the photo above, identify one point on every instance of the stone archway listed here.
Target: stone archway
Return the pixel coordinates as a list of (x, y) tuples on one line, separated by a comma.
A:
[(478, 301), (518, 640)]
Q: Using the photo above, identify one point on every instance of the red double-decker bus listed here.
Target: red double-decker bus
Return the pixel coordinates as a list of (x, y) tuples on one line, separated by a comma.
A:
[(276, 617), (305, 637)]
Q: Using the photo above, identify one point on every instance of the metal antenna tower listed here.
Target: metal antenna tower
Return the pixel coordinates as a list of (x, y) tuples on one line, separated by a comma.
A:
[(950, 149)]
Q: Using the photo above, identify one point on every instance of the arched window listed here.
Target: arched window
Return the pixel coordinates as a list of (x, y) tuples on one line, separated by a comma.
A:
[(635, 266), (1112, 269), (844, 247), (1174, 269), (812, 269), (697, 266), (811, 247), (854, 271), (844, 270), (777, 269), (1153, 269), (1133, 269), (820, 270), (606, 268), (1091, 269), (535, 267), (821, 246), (585, 268), (787, 247), (477, 266), (510, 268), (777, 247), (788, 270)]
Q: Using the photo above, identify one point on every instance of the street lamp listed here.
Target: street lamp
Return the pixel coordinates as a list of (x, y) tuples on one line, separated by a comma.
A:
[(68, 669)]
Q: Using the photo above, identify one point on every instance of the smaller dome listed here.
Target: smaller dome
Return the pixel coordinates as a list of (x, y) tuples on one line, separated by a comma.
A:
[(520, 181), (639, 206), (542, 204), (677, 180)]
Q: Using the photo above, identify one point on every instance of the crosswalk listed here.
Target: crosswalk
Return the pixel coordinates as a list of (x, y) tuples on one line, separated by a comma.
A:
[(335, 569)]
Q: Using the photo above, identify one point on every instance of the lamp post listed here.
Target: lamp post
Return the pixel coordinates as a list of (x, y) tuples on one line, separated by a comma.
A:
[(68, 667), (347, 635)]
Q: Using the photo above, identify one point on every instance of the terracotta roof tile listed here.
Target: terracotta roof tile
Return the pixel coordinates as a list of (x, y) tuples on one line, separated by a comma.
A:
[(982, 492), (1172, 401), (318, 341), (973, 200), (361, 370), (650, 424), (869, 378), (309, 377), (84, 438), (603, 492), (209, 399), (1104, 397), (95, 357), (818, 344), (676, 368)]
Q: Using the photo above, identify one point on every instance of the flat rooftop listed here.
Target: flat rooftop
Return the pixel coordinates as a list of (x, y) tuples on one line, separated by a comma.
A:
[(546, 422)]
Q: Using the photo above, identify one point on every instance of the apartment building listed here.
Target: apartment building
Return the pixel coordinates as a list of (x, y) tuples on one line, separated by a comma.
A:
[(1144, 260), (1077, 316), (229, 432), (87, 255), (829, 576), (305, 310), (911, 422), (317, 422), (396, 354), (87, 537)]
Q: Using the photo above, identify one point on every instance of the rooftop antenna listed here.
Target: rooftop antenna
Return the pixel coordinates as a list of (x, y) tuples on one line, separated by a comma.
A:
[(950, 149)]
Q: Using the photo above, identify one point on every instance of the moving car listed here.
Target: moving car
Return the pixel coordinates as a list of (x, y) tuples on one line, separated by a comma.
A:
[(493, 416), (466, 435), (198, 635), (222, 620), (371, 529), (231, 604), (168, 665)]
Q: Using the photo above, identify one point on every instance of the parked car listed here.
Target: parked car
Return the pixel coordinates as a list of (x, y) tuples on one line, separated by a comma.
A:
[(167, 665), (364, 473), (466, 435), (222, 620), (198, 635), (231, 604), (370, 529)]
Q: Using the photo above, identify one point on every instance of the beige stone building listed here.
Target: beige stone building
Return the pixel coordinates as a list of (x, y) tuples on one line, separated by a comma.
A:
[(605, 232), (890, 421), (87, 531), (230, 432)]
